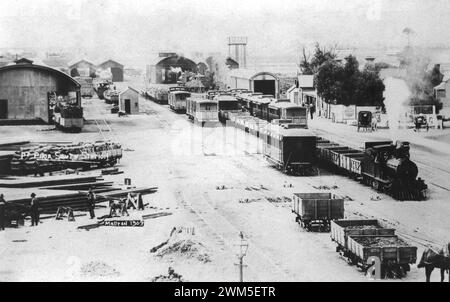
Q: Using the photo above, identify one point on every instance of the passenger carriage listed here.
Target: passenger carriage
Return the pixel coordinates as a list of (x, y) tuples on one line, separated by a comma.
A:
[(288, 112), (202, 111), (227, 104), (290, 150), (177, 98)]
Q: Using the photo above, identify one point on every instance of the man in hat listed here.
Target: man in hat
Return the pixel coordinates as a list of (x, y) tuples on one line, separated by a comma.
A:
[(2, 212), (34, 207), (91, 202)]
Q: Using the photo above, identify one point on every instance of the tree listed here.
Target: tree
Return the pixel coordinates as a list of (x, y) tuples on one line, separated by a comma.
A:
[(305, 65), (436, 76), (350, 81), (321, 55), (347, 85), (208, 80), (328, 82), (370, 89)]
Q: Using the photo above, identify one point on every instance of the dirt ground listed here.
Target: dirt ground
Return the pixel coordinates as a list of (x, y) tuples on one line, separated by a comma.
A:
[(203, 175)]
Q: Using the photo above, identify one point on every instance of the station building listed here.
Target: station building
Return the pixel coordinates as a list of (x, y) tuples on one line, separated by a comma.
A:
[(25, 89), (256, 81)]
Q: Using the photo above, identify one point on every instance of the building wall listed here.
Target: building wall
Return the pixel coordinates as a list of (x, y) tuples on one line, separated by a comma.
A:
[(83, 69), (236, 82), (134, 101), (26, 92), (116, 70), (446, 100)]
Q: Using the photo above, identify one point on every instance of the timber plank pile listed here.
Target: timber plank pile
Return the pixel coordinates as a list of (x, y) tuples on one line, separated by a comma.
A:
[(74, 192), (26, 182)]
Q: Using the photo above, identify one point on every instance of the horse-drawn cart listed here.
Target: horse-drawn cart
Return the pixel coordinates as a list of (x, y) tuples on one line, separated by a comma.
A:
[(315, 211), (365, 120)]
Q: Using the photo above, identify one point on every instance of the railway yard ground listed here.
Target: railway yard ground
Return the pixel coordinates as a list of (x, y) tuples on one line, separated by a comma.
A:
[(215, 184)]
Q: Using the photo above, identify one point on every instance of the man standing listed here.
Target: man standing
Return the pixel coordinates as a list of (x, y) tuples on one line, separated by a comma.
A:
[(312, 109), (91, 202), (140, 202), (2, 212), (34, 206)]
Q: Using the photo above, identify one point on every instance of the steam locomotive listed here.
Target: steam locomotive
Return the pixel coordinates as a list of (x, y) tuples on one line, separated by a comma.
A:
[(66, 112), (383, 165)]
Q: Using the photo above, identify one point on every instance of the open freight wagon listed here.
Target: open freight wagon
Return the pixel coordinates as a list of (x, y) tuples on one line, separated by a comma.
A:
[(317, 210), (361, 240)]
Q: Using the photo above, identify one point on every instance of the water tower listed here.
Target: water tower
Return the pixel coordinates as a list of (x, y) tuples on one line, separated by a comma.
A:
[(237, 50)]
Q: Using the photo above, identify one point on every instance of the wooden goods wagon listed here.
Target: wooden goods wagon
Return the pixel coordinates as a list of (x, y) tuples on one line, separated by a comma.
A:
[(361, 240), (317, 210)]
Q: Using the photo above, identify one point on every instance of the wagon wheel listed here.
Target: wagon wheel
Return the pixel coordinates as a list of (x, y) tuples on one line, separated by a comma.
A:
[(375, 185)]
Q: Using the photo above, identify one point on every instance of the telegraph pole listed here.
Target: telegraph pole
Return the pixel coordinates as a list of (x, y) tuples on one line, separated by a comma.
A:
[(243, 246)]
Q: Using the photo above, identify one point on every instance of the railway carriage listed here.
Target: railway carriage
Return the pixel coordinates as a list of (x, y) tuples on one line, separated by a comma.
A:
[(245, 99), (268, 108), (286, 111), (228, 104), (290, 150), (202, 111), (177, 98)]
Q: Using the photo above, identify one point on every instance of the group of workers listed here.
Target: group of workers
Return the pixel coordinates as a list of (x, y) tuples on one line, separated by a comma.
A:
[(33, 211)]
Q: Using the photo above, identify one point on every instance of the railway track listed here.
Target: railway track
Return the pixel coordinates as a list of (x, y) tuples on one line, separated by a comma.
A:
[(216, 223)]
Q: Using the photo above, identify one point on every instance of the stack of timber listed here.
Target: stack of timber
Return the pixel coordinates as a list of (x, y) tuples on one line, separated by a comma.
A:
[(72, 192), (27, 182)]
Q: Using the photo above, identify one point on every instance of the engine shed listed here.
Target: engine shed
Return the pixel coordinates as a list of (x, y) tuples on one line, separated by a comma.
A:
[(25, 88), (256, 81), (83, 68), (116, 69), (167, 69)]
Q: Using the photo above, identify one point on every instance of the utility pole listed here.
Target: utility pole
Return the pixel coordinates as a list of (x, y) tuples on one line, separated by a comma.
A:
[(243, 246)]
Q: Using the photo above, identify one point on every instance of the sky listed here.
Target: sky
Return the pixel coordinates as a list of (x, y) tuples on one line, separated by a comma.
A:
[(273, 27)]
